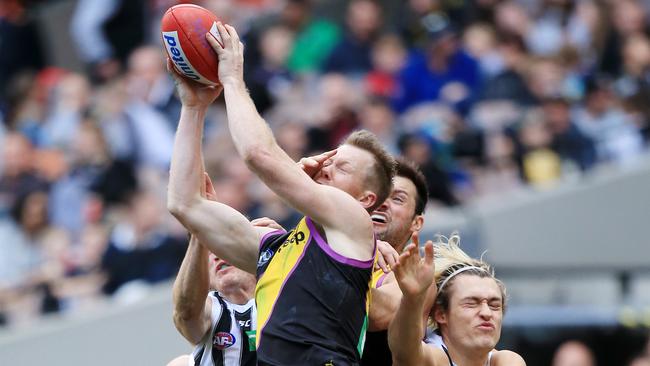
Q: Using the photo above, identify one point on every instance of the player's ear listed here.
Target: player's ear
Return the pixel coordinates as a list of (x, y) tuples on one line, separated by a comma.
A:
[(439, 315), (368, 199), (417, 223)]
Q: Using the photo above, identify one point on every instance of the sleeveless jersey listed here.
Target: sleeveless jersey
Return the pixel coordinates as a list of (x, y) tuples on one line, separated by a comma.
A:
[(312, 302), (434, 339), (377, 352), (231, 339)]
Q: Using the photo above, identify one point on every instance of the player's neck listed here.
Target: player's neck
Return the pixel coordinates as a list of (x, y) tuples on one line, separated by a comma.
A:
[(466, 356), (238, 295)]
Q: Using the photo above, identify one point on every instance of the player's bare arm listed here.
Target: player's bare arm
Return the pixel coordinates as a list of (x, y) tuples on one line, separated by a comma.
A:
[(222, 229), (347, 224), (191, 287), (415, 277)]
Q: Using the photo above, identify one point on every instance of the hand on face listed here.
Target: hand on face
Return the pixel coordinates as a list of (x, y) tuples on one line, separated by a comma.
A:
[(313, 164), (231, 53), (415, 274), (191, 93)]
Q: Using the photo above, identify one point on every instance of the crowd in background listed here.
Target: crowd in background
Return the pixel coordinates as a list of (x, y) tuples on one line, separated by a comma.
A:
[(486, 96)]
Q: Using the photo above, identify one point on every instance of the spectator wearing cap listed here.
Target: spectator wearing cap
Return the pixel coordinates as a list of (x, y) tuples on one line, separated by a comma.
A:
[(443, 72)]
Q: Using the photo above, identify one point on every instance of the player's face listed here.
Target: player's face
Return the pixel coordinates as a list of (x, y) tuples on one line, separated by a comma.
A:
[(395, 220), (347, 170), (473, 320), (223, 275)]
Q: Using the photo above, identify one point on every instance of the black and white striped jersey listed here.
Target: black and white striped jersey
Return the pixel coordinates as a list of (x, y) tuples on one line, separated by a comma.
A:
[(231, 338)]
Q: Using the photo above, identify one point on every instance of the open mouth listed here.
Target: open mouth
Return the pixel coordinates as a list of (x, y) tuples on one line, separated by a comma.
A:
[(221, 264), (379, 217)]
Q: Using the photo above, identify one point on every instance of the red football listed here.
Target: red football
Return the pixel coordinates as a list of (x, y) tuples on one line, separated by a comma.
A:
[(183, 30)]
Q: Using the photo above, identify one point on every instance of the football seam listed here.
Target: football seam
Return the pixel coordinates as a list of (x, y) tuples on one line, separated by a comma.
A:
[(182, 31)]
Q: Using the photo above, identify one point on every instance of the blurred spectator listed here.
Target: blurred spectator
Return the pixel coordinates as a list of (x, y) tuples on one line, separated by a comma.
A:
[(135, 129), (29, 257), (418, 148), (568, 141), (18, 175), (635, 76), (510, 17), (21, 235), (506, 72), (315, 38), (614, 135), (269, 79), (69, 100), (540, 165), (546, 78), (444, 72), (387, 56), (352, 53), (500, 171), (409, 21), (106, 32), (559, 24), (628, 18), (292, 138), (91, 169), (149, 82), (377, 117), (21, 48), (573, 353), (139, 248), (480, 42), (338, 117)]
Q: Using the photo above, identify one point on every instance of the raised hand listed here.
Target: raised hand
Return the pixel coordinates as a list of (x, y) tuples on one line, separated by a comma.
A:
[(191, 93), (387, 256), (230, 51), (312, 164), (415, 275)]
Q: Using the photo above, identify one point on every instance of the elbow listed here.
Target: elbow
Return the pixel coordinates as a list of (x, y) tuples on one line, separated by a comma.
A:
[(256, 156), (176, 208), (179, 206)]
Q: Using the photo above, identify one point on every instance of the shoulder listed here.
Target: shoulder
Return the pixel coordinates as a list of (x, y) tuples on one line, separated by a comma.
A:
[(507, 358)]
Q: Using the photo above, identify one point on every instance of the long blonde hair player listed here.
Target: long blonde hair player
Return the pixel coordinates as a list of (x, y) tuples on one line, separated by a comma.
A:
[(469, 303)]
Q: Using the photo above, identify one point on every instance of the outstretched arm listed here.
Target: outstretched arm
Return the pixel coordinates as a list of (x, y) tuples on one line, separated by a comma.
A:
[(255, 143), (414, 277), (191, 288), (226, 232)]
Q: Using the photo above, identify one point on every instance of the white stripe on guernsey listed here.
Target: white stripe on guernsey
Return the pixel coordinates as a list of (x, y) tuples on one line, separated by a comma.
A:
[(232, 354)]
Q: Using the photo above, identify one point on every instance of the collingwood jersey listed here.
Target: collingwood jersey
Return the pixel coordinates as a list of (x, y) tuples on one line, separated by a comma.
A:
[(231, 338), (434, 339), (312, 302)]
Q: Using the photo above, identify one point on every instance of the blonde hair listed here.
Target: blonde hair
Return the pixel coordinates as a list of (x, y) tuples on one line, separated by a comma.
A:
[(451, 261)]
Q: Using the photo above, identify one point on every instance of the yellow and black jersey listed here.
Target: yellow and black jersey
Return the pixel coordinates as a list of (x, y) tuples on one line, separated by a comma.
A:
[(378, 277), (312, 302), (377, 352)]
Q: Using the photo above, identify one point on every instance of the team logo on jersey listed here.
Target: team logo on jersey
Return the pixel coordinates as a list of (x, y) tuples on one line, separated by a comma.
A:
[(223, 340), (264, 257)]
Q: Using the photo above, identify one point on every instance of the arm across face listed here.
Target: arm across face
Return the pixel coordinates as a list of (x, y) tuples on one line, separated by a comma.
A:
[(345, 220)]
